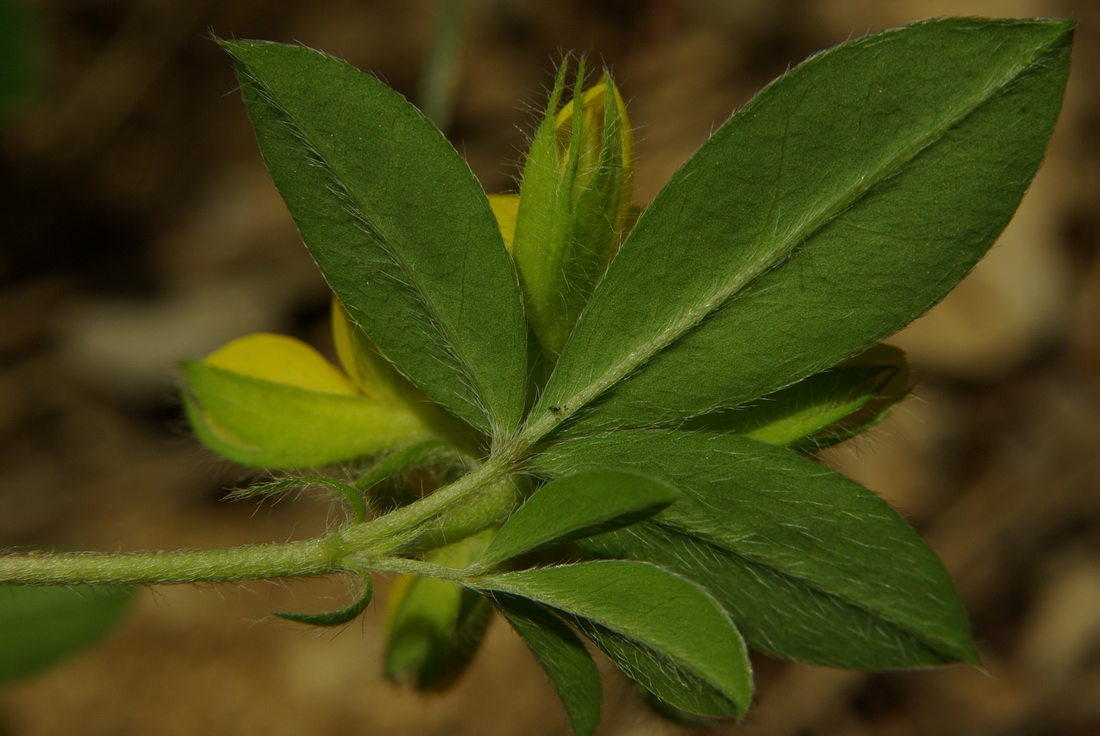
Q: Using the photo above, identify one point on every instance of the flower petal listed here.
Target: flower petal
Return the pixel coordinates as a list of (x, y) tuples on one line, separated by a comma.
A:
[(505, 207), (281, 359), (266, 424)]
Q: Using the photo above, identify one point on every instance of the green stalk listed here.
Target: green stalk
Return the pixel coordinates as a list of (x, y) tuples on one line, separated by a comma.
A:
[(474, 502), (320, 556)]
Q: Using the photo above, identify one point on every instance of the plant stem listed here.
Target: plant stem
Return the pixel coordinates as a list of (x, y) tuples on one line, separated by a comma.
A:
[(319, 556), (470, 504), (473, 502)]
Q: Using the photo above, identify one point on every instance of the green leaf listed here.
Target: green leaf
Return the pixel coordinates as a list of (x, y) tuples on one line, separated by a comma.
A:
[(822, 409), (675, 623), (397, 223), (810, 565), (666, 681), (274, 425), (41, 626), (562, 655), (578, 506), (838, 205)]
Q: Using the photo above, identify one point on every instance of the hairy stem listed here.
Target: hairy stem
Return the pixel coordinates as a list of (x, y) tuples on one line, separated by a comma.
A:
[(474, 502), (319, 556)]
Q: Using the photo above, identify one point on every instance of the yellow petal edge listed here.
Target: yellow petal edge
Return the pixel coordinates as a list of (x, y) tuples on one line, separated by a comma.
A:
[(282, 359)]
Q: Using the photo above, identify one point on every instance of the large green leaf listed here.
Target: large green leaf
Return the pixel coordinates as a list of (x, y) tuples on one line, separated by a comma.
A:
[(562, 655), (578, 506), (397, 223), (40, 626), (810, 565), (679, 628), (838, 205)]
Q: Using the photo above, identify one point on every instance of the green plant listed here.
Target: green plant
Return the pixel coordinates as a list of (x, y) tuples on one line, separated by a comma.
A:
[(612, 411)]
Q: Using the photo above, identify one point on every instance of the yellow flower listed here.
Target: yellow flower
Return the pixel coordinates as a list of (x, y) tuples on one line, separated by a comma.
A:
[(273, 401)]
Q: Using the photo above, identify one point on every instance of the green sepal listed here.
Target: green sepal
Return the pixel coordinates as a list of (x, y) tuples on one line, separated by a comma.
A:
[(542, 221), (571, 206)]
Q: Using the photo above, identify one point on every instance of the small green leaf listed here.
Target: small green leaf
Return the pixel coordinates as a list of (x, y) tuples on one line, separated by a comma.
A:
[(274, 425), (810, 565), (40, 626), (336, 618), (676, 623), (578, 506), (397, 223), (838, 205), (562, 655)]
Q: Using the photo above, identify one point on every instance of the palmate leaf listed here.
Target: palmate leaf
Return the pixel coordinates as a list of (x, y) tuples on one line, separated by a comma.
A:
[(397, 223), (835, 207), (810, 565)]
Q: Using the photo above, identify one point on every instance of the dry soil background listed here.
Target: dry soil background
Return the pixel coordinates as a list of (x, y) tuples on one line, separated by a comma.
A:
[(140, 227)]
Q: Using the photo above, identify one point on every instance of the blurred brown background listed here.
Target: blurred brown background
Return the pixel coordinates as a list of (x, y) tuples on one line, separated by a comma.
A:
[(139, 227)]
